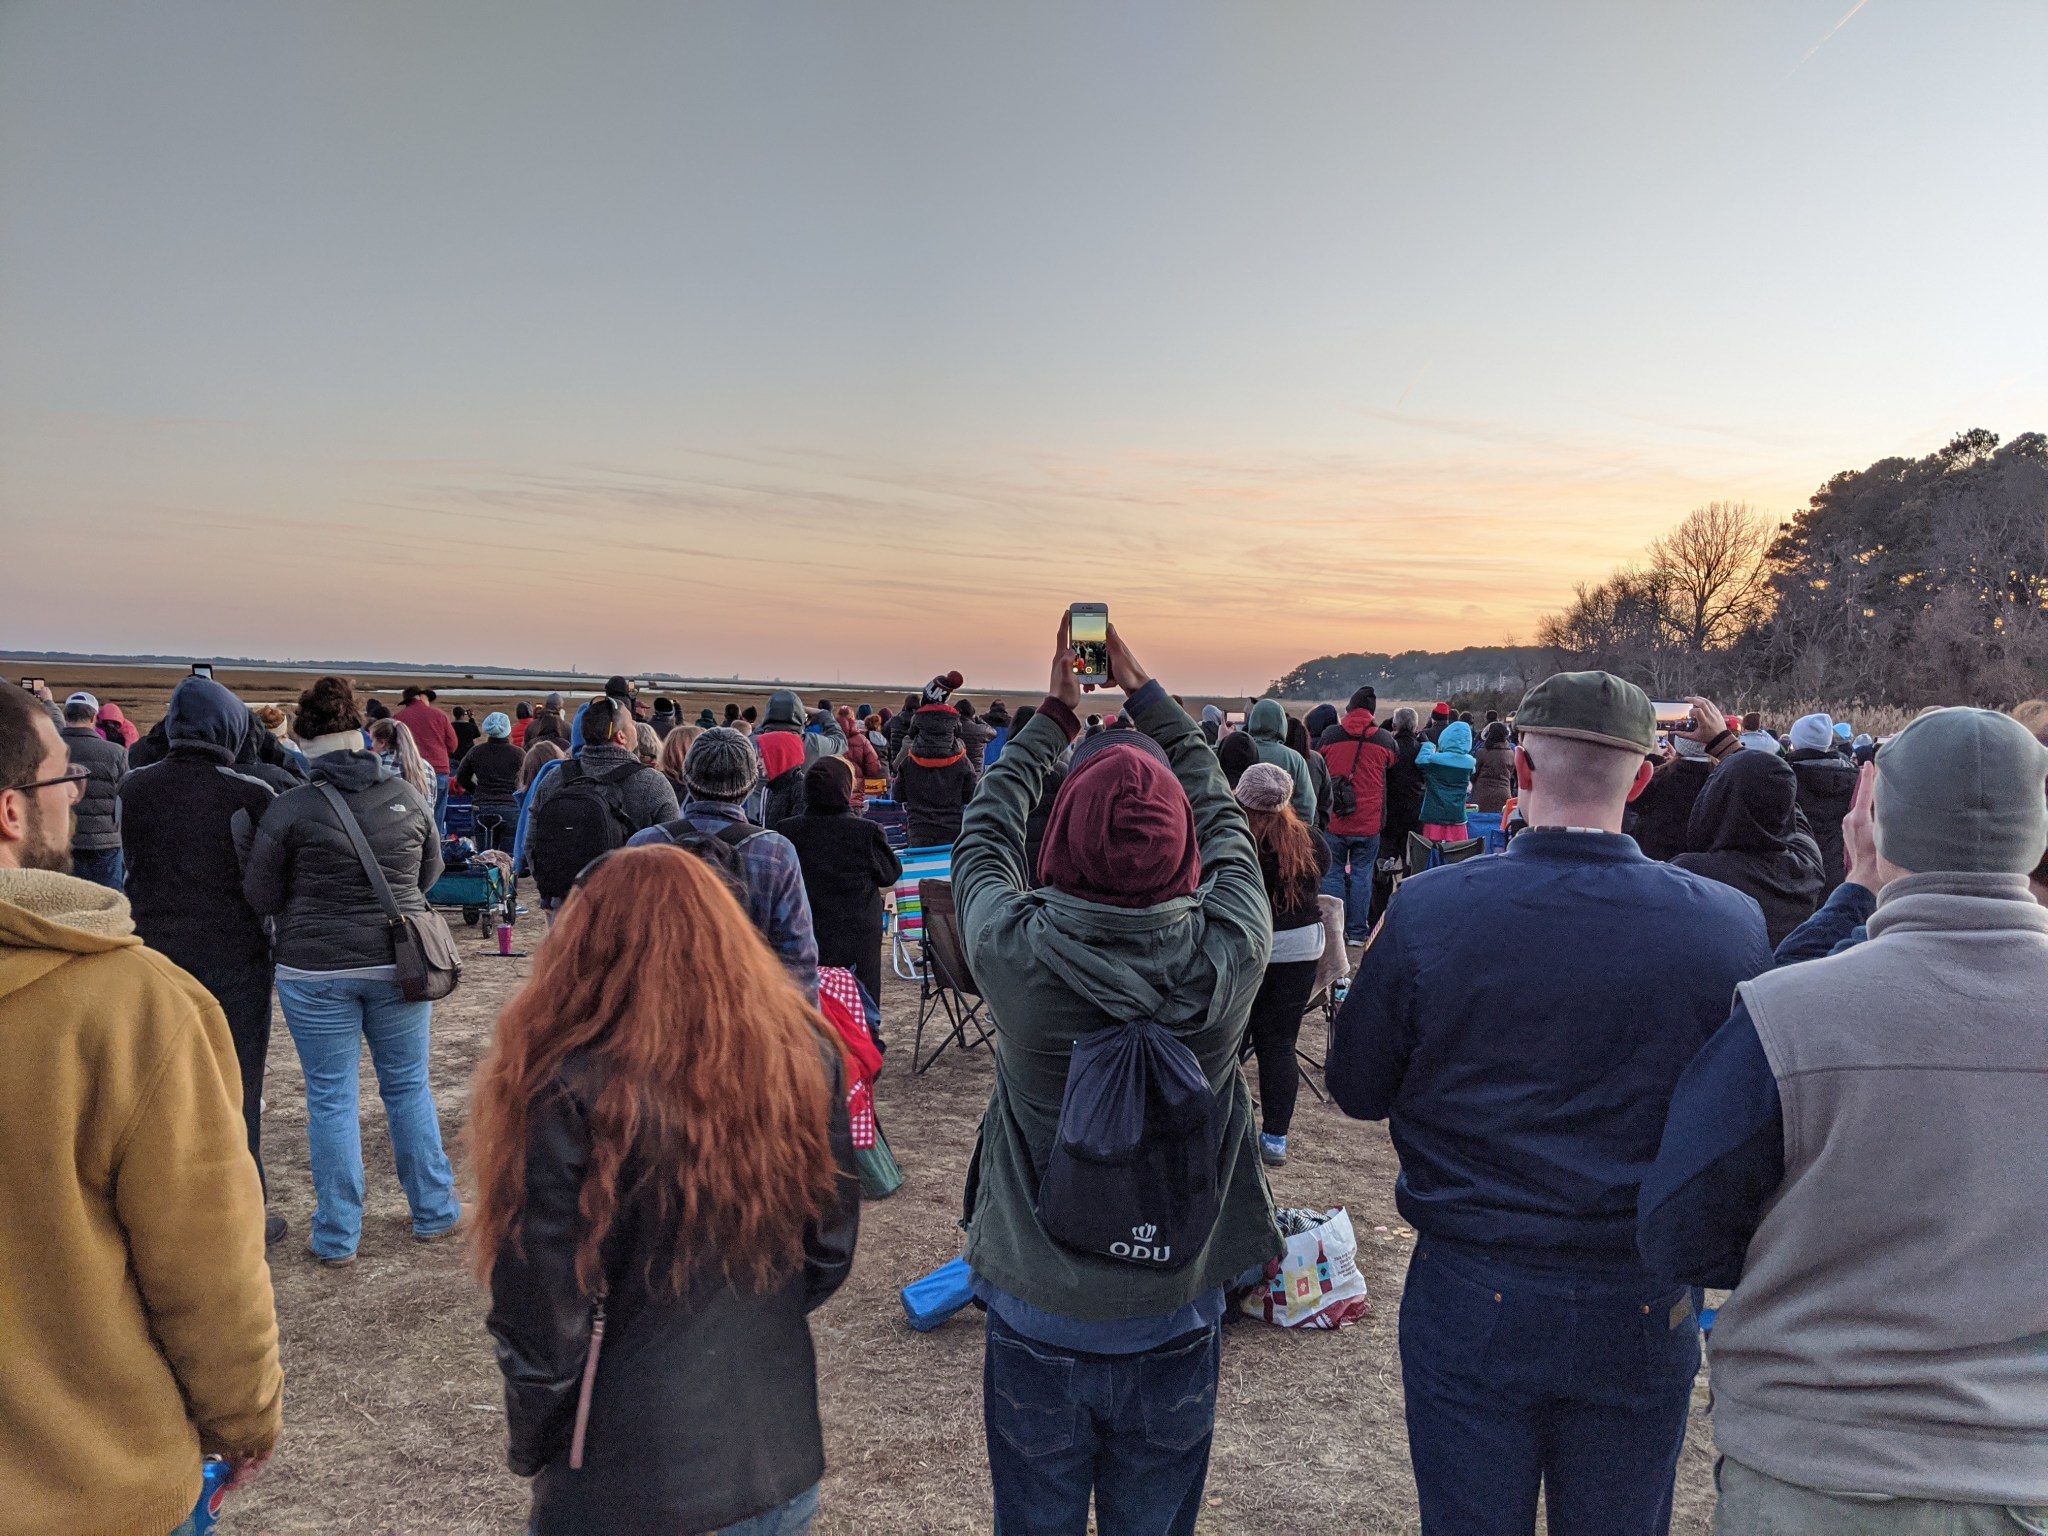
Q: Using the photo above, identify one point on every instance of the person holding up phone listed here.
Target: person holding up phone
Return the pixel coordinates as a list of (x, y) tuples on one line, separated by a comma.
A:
[(1101, 1376)]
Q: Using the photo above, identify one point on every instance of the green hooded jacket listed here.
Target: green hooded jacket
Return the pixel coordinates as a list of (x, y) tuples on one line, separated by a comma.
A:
[(1268, 729), (1054, 966)]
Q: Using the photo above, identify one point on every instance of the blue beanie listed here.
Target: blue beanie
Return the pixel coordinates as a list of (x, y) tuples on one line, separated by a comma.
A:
[(495, 724)]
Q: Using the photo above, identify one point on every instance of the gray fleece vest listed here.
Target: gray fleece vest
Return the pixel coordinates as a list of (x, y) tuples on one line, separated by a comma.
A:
[(1890, 1334)]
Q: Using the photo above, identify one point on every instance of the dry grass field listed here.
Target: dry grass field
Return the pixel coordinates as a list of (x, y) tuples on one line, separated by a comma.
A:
[(393, 1419)]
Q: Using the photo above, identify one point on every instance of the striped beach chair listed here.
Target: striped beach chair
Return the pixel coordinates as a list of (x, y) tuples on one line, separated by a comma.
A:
[(906, 918)]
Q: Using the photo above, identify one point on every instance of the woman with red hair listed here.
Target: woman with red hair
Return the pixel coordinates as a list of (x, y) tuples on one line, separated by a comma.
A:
[(665, 1189)]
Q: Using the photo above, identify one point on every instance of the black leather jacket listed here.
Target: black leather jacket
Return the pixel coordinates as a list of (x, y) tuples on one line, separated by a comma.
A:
[(303, 868), (705, 1408)]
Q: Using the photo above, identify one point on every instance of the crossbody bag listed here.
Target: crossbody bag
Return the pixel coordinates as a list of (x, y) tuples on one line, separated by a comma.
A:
[(421, 945)]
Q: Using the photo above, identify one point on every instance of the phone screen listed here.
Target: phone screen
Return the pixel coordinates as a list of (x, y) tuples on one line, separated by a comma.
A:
[(1088, 630), (202, 669)]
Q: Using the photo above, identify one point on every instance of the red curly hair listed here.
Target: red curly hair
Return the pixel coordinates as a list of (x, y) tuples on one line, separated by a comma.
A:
[(712, 1070)]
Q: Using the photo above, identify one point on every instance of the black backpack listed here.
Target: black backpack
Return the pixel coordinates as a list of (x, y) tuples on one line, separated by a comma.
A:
[(1132, 1174), (582, 820), (720, 849)]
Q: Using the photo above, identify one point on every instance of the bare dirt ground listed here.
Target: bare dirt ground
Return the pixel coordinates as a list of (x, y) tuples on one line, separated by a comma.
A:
[(393, 1410)]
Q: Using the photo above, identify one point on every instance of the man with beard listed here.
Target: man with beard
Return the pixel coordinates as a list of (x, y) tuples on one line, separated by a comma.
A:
[(133, 1292)]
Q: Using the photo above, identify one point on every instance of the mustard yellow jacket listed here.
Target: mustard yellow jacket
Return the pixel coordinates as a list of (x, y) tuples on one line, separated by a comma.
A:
[(137, 1330)]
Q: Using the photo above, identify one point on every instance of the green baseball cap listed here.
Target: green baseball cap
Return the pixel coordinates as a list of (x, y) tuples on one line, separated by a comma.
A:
[(1589, 706)]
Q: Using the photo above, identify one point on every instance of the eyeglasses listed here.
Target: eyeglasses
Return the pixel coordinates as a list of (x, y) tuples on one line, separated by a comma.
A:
[(74, 776)]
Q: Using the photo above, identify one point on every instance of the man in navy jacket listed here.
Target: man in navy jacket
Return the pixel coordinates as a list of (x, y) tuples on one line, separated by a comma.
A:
[(1521, 1022)]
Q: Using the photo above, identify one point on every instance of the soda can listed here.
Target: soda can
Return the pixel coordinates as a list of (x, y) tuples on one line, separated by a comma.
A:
[(213, 1492)]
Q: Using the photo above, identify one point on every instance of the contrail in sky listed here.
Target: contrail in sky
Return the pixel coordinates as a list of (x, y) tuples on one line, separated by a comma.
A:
[(1816, 48)]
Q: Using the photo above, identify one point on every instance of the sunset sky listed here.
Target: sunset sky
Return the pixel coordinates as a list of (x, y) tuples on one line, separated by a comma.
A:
[(855, 341)]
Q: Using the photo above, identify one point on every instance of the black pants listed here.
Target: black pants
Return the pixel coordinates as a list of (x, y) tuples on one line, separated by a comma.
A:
[(1274, 1026), (243, 993), (493, 826)]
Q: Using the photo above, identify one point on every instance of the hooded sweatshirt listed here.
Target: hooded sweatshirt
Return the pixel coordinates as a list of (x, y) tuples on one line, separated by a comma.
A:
[(1055, 964), (782, 775), (177, 828), (1746, 831), (1267, 728), (134, 1298), (1447, 766)]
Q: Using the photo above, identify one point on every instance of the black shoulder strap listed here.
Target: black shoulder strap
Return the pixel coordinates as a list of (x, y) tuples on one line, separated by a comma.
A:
[(737, 834), (347, 817)]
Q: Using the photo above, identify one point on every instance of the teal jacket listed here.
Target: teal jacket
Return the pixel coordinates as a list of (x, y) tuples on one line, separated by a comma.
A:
[(1053, 967), (1268, 729), (1446, 765)]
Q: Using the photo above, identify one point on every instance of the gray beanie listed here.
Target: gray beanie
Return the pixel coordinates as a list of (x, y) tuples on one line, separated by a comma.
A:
[(1264, 787), (722, 765), (1962, 791)]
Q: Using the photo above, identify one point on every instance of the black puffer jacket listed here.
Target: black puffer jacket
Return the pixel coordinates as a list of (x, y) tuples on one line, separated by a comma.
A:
[(98, 826), (1827, 788), (303, 867), (705, 1408)]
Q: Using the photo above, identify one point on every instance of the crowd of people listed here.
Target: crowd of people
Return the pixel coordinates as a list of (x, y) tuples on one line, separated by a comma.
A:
[(1731, 1009)]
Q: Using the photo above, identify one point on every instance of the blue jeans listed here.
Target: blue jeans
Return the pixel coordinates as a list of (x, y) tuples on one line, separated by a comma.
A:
[(1353, 889), (1133, 1428), (441, 803), (329, 1020), (791, 1519), (102, 866), (1579, 1382)]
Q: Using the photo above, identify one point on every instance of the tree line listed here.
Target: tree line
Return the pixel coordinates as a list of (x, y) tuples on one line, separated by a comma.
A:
[(1912, 582)]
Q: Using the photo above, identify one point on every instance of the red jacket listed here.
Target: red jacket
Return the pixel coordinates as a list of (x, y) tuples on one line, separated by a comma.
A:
[(432, 732), (1358, 751)]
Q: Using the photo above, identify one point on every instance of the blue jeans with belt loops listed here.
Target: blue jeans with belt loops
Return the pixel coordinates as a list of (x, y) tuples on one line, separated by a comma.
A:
[(1520, 1375), (1134, 1429)]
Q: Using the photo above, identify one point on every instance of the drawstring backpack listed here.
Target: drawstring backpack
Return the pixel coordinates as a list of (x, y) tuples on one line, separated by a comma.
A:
[(1132, 1174)]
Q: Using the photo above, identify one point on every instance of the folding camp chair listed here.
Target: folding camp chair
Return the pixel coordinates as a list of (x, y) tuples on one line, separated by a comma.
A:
[(906, 931), (946, 985), (1424, 854)]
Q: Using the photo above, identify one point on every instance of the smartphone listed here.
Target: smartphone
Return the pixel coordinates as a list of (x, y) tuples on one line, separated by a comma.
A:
[(1088, 633), (202, 669), (31, 683), (1673, 719)]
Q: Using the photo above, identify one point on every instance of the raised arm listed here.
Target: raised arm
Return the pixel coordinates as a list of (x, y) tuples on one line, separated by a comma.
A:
[(989, 860), (1233, 891)]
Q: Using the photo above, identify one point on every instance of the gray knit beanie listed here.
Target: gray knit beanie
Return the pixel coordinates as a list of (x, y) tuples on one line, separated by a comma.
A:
[(1962, 791), (1264, 787), (722, 765)]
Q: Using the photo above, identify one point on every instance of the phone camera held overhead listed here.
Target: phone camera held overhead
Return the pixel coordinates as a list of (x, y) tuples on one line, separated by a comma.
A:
[(1088, 634)]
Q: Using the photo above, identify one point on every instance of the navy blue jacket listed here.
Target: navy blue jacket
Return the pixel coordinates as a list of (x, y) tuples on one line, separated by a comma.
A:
[(1521, 1022), (1723, 1152)]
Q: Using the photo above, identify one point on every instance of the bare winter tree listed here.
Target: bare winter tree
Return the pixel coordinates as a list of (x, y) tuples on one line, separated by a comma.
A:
[(1713, 576)]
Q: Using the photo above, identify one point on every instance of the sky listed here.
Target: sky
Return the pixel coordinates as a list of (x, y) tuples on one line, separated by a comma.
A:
[(854, 342)]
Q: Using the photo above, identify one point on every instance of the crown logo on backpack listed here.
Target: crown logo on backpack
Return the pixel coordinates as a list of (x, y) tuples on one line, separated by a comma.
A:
[(1144, 1232)]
